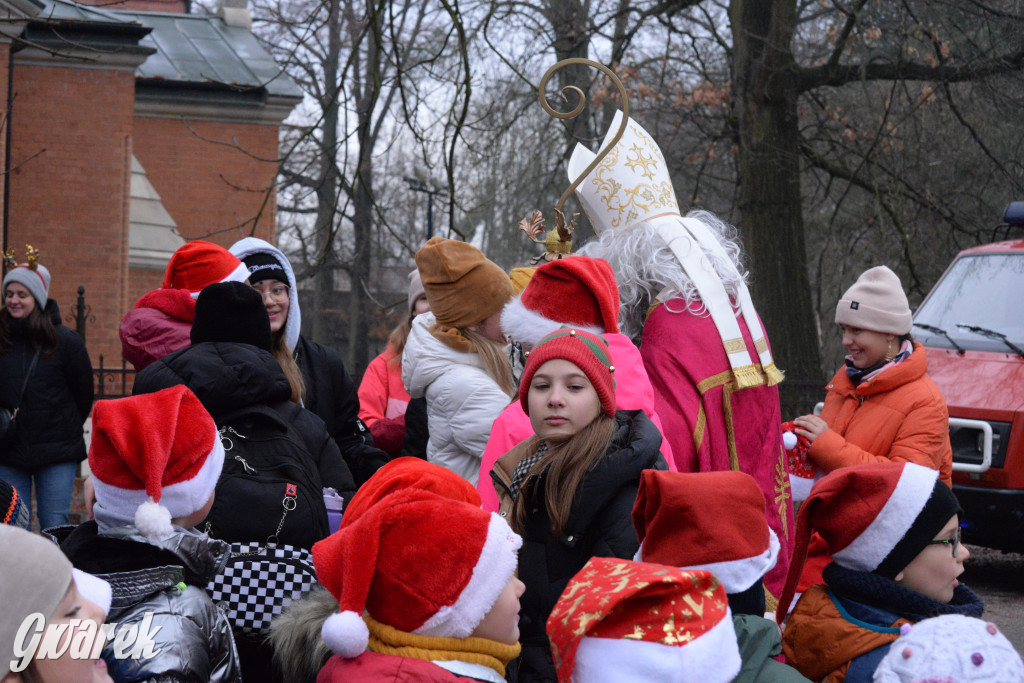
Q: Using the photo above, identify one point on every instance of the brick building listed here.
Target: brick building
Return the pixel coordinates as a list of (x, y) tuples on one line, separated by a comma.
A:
[(127, 132)]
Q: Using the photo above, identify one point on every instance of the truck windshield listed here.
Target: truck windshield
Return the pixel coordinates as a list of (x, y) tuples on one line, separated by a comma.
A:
[(984, 290)]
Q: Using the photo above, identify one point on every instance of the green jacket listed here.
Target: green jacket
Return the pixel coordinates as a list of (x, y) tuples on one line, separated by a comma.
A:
[(760, 641)]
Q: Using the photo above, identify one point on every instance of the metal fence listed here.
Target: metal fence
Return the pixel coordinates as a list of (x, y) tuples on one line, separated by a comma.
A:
[(113, 382)]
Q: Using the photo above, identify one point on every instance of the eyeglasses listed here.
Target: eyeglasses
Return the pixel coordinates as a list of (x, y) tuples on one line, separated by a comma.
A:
[(278, 292), (954, 542)]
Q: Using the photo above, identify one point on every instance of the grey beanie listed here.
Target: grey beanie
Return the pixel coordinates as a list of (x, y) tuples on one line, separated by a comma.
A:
[(876, 302), (34, 279), (36, 575), (415, 289)]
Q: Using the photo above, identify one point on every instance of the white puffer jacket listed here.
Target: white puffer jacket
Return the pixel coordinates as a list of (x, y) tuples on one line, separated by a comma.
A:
[(462, 399)]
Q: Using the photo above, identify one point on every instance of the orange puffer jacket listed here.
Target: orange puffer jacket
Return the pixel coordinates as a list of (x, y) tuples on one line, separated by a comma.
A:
[(898, 416), (820, 642)]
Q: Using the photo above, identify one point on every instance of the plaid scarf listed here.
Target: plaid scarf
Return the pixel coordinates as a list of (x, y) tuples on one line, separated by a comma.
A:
[(524, 467)]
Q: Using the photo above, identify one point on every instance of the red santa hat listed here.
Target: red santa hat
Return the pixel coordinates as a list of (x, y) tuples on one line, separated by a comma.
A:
[(874, 518), (633, 621), (153, 457), (577, 290), (724, 530), (408, 473), (198, 264), (417, 562)]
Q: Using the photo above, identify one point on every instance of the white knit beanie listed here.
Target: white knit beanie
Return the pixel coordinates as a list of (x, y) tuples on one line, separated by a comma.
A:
[(952, 647), (876, 302)]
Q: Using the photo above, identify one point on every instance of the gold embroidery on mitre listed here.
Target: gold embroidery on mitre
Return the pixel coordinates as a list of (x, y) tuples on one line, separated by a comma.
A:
[(625, 205)]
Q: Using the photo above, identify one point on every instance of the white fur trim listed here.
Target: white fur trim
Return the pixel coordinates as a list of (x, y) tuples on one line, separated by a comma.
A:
[(713, 657), (529, 327), (346, 634), (493, 569), (800, 487), (736, 576), (116, 506), (239, 274), (94, 589), (890, 525), (254, 245)]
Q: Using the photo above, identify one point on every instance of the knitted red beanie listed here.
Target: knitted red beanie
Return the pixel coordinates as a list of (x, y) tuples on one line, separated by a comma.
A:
[(588, 352)]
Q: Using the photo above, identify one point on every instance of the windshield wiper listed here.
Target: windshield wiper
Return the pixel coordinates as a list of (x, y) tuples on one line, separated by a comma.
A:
[(992, 334), (939, 330)]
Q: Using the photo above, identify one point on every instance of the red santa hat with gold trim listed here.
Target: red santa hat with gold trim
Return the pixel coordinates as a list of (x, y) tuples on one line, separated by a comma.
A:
[(153, 457), (417, 562), (578, 291), (633, 621), (708, 520)]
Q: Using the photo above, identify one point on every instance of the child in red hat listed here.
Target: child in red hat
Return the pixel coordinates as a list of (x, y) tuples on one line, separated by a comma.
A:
[(570, 489), (427, 592), (893, 532), (155, 461)]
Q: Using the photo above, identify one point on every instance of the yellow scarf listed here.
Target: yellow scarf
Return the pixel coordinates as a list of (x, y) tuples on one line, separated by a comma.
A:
[(388, 640)]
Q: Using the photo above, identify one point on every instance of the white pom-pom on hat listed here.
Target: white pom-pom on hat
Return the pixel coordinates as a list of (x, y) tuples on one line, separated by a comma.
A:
[(153, 520), (789, 440), (346, 634)]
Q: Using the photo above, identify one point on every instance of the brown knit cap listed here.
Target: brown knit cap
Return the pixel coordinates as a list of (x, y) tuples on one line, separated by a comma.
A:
[(462, 285)]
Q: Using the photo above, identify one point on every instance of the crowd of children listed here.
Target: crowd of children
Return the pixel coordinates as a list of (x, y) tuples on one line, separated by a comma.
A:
[(545, 536)]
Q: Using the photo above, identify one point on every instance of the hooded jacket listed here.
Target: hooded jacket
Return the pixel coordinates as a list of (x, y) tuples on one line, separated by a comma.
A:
[(633, 391), (57, 399), (600, 525), (462, 399), (229, 377), (898, 416), (159, 325), (163, 580), (329, 391)]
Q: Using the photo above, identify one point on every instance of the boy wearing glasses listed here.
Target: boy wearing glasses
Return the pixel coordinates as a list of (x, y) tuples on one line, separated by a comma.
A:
[(893, 531)]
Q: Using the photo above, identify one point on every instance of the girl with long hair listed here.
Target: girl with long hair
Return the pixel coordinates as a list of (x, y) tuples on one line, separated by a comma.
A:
[(569, 490), (46, 375), (455, 354), (316, 374), (383, 399)]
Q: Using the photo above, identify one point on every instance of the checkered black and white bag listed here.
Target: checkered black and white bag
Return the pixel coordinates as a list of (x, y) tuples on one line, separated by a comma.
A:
[(259, 581)]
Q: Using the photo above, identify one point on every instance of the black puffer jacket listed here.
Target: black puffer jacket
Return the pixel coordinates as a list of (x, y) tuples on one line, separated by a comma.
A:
[(600, 525), (228, 377), (57, 399), (331, 394)]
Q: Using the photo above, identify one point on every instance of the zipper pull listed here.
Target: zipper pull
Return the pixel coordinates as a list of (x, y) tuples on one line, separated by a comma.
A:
[(248, 468)]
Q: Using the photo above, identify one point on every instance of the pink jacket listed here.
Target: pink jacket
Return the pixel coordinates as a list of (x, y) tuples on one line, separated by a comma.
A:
[(633, 391), (381, 393)]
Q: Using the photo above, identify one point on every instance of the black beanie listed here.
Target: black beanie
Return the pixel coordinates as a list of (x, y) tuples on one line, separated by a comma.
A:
[(264, 266), (232, 312), (941, 505)]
